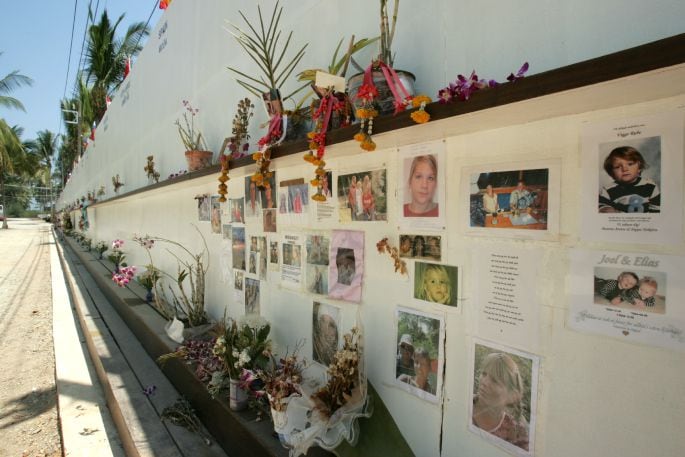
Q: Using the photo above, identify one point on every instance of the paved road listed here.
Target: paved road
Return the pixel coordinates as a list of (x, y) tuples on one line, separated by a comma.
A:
[(28, 412)]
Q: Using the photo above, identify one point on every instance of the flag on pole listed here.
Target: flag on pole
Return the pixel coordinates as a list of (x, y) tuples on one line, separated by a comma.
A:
[(163, 4), (92, 132), (127, 68), (108, 100)]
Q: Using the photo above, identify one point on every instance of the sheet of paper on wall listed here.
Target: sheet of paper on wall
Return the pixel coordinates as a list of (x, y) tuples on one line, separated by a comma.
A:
[(507, 297), (346, 265), (513, 200), (630, 296), (421, 187), (292, 250), (633, 179), (239, 287)]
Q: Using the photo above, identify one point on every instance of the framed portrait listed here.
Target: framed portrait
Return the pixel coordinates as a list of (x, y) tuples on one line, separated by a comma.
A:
[(504, 393), (419, 353)]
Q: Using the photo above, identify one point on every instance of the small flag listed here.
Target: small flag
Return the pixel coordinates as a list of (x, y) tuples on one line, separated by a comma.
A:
[(108, 100), (92, 132), (163, 4), (127, 68)]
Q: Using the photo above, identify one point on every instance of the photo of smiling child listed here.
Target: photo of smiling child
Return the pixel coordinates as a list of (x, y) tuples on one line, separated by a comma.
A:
[(436, 283), (630, 289)]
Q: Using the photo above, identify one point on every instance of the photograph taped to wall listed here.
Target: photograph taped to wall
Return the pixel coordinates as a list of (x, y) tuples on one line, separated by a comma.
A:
[(268, 193), (273, 255), (203, 208), (515, 200), (317, 263), (226, 231), (293, 201), (422, 187), (226, 262), (253, 201), (346, 265), (291, 260), (237, 210), (628, 296), (363, 196), (436, 283), (504, 396), (630, 289), (325, 210), (238, 247), (252, 304), (238, 280), (270, 220), (419, 356), (632, 179), (325, 332), (216, 214), (425, 247)]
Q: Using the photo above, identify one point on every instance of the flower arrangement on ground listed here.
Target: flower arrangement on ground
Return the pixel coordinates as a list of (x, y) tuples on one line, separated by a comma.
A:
[(192, 267), (199, 352), (343, 376), (117, 256), (282, 379), (100, 248), (124, 276), (244, 344)]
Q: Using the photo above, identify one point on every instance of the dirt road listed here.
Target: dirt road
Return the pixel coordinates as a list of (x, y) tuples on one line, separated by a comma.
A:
[(28, 407)]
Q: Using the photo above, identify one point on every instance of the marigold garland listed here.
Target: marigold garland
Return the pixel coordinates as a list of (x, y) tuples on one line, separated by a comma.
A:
[(330, 103)]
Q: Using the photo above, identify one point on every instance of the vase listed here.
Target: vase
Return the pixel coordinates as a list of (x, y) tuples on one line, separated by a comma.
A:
[(148, 296), (385, 102), (237, 396), (116, 268), (198, 160)]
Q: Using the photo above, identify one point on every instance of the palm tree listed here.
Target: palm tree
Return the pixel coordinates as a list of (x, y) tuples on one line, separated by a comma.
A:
[(10, 82), (106, 57), (9, 145), (44, 148)]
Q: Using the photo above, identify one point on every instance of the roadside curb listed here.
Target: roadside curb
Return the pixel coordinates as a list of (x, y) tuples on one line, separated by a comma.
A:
[(85, 423)]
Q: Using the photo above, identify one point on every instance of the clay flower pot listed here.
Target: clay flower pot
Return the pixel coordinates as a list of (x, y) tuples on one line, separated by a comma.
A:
[(198, 160)]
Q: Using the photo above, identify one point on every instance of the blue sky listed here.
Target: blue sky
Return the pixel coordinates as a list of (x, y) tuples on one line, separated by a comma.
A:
[(34, 39)]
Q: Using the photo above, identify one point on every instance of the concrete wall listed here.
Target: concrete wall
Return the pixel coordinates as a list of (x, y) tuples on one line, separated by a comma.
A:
[(597, 396)]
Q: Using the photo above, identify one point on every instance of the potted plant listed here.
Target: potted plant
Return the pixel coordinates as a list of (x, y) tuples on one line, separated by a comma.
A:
[(385, 77), (237, 144), (197, 155), (262, 45), (117, 256)]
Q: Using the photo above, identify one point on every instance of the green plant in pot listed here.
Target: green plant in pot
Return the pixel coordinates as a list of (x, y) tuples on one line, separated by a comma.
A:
[(385, 102), (264, 46), (196, 153)]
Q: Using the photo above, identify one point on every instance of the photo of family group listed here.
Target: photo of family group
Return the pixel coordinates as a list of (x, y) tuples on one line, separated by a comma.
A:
[(504, 390), (514, 199), (363, 196), (436, 283), (418, 360), (421, 247), (630, 289), (630, 176)]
